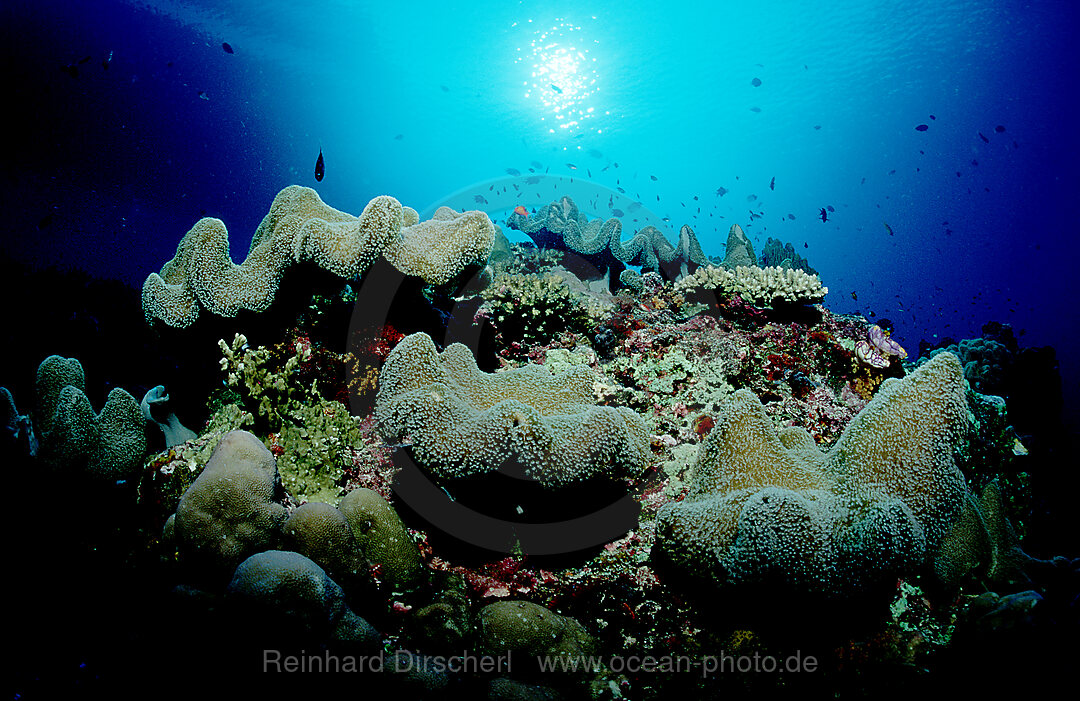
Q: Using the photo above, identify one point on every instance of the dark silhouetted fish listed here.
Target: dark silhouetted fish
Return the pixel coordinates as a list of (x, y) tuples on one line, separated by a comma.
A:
[(830, 208), (922, 127), (1000, 129), (513, 171), (556, 88), (817, 126), (203, 95), (226, 48), (721, 191), (106, 61), (399, 137), (824, 215), (888, 228), (854, 296), (480, 198), (755, 109), (320, 167), (617, 212), (620, 189), (933, 117), (983, 137), (571, 166), (772, 184), (791, 217), (444, 88), (653, 177), (756, 82)]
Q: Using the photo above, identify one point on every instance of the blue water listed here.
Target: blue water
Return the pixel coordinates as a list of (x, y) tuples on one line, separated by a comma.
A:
[(423, 101)]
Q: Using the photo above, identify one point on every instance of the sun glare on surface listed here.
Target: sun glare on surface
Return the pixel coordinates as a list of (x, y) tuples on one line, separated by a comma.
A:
[(561, 75)]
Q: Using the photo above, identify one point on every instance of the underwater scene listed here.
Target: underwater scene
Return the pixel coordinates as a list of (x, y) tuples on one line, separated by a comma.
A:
[(539, 351)]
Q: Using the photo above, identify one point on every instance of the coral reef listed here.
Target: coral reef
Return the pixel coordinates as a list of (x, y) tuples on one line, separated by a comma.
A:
[(778, 254), (465, 422), (768, 507), (300, 227), (530, 309), (381, 536), (738, 251)]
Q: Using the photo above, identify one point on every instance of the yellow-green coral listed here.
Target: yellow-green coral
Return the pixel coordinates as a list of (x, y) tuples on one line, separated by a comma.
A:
[(311, 432), (771, 507), (465, 422)]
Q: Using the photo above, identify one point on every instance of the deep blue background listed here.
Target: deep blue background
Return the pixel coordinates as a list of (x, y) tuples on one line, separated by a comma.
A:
[(107, 170)]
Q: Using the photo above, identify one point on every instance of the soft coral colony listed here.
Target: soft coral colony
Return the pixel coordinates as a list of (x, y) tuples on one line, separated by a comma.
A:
[(782, 458)]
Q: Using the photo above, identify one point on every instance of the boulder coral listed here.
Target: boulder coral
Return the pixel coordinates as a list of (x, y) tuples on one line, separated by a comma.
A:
[(299, 228), (465, 422), (279, 586), (381, 536), (768, 507), (233, 509), (758, 286)]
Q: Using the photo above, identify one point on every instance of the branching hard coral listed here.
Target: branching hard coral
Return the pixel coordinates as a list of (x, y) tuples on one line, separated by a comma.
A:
[(769, 507), (466, 422), (529, 309), (759, 286), (300, 227)]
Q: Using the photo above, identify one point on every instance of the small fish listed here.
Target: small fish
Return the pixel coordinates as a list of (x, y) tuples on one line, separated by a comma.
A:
[(922, 127), (756, 82), (320, 167), (556, 88), (755, 110), (824, 215), (226, 48), (480, 199), (653, 177), (444, 88), (830, 208), (520, 209), (620, 189), (589, 172), (617, 212), (772, 184), (751, 198), (106, 61), (203, 95), (933, 117), (791, 217), (986, 140), (805, 244), (513, 171), (571, 166), (721, 191), (399, 137), (1000, 129), (888, 228), (854, 296), (817, 126)]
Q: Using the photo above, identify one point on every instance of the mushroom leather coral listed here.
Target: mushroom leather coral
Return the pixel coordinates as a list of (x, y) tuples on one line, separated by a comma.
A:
[(769, 507), (465, 422), (301, 227)]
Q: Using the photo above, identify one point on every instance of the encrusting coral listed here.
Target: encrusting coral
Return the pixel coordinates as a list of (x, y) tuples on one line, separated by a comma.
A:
[(301, 227), (466, 422), (769, 507)]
